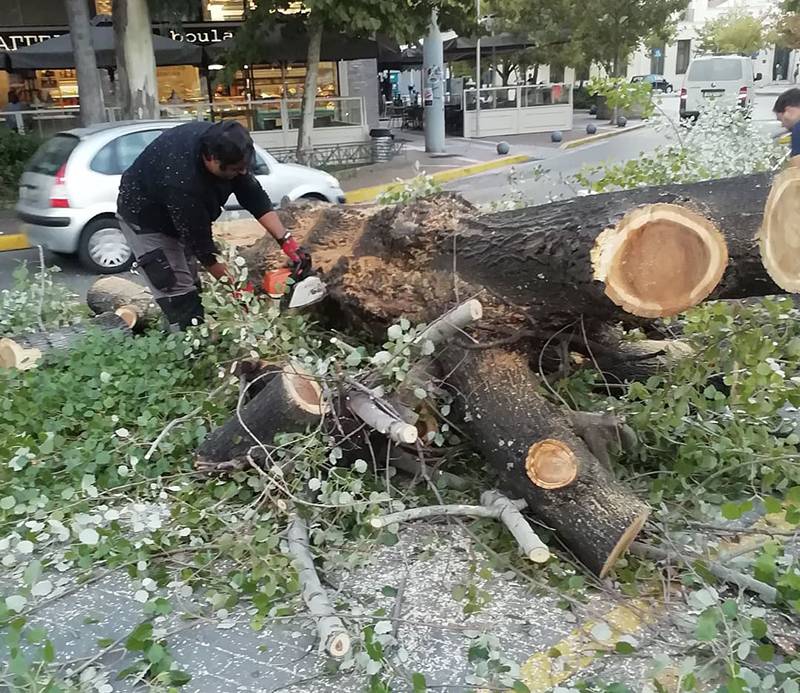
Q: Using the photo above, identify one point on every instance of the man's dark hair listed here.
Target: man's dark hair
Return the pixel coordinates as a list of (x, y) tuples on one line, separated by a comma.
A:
[(791, 97), (228, 142)]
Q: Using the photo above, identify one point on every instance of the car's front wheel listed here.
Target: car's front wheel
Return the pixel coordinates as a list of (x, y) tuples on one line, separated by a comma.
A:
[(103, 249), (668, 89)]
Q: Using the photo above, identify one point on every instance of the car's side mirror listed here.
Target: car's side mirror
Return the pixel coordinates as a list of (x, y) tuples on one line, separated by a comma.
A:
[(758, 77), (261, 170)]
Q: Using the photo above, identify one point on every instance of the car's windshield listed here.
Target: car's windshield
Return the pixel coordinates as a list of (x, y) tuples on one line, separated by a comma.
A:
[(52, 155), (715, 70)]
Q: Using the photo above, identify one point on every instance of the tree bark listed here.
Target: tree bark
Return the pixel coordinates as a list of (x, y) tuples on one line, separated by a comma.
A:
[(289, 403), (136, 63), (25, 351), (305, 146), (90, 90), (510, 424), (112, 292)]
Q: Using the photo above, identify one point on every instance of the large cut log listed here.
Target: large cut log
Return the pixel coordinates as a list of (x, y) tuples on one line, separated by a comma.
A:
[(24, 351), (291, 402), (649, 252), (780, 233), (538, 457), (620, 256), (111, 292)]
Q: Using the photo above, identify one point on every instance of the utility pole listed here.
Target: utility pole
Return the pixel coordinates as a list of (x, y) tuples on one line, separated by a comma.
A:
[(478, 71), (433, 93)]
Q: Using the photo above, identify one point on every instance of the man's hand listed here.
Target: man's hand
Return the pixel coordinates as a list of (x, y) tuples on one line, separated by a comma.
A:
[(298, 256), (219, 270)]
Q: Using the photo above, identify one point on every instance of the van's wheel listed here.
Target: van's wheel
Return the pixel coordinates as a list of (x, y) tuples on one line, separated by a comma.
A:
[(669, 89), (103, 249)]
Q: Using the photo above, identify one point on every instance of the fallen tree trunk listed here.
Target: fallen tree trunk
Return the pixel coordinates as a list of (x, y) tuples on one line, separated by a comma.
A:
[(112, 292), (25, 351), (538, 457), (291, 402), (649, 252)]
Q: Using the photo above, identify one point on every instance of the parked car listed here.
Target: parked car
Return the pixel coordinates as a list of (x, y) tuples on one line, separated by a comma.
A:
[(725, 78), (658, 82), (68, 192)]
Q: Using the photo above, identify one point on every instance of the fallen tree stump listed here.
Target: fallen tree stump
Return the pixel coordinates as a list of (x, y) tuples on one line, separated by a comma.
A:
[(290, 402), (25, 351), (112, 292), (538, 457)]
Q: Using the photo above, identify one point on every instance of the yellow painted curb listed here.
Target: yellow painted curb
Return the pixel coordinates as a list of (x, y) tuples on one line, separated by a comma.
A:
[(601, 136), (369, 194), (14, 241), (544, 670)]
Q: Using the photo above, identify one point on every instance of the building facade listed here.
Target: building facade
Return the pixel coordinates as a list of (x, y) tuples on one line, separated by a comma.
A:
[(205, 22)]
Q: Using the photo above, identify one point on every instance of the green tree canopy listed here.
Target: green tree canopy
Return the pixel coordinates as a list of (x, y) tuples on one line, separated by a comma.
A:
[(735, 32)]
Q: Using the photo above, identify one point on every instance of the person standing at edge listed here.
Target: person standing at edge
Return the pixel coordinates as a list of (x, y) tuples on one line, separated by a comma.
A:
[(787, 111), (169, 198)]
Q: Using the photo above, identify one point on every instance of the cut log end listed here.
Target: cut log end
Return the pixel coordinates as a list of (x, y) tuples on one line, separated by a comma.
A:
[(539, 555), (551, 464), (129, 314), (660, 260), (338, 645), (779, 238), (624, 542), (304, 390), (14, 355)]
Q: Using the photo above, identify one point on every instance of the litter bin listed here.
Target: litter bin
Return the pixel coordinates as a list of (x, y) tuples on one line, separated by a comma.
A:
[(382, 141)]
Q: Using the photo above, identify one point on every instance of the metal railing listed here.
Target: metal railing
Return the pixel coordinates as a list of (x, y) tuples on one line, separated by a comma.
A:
[(274, 114), (258, 116), (335, 156), (46, 122)]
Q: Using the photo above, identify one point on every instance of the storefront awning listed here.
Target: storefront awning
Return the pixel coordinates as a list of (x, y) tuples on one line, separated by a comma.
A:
[(288, 42), (56, 53), (455, 49)]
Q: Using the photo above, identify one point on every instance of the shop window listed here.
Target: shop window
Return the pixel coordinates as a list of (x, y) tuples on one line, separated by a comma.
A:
[(657, 59), (179, 83), (684, 56), (223, 10), (274, 82), (102, 6)]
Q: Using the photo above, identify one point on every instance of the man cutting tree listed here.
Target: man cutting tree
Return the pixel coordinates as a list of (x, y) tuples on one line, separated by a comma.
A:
[(169, 198)]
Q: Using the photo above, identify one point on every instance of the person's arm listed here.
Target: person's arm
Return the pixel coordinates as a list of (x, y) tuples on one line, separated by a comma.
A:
[(794, 159), (253, 198), (193, 224)]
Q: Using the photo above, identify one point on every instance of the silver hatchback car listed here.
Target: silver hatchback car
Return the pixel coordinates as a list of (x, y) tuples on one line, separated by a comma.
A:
[(68, 193)]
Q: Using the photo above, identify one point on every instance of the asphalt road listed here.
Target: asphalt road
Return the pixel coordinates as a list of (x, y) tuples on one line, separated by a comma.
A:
[(563, 164), (559, 165)]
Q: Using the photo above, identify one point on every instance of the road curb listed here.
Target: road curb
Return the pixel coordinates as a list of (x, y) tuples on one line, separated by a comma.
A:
[(13, 241), (601, 136), (368, 194)]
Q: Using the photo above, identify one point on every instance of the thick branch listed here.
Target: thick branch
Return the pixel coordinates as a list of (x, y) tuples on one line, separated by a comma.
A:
[(333, 636)]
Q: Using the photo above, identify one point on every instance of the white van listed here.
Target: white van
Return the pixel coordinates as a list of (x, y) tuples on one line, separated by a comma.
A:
[(728, 78)]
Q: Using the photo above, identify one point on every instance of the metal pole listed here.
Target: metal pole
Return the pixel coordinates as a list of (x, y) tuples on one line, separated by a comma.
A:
[(478, 72), (433, 93)]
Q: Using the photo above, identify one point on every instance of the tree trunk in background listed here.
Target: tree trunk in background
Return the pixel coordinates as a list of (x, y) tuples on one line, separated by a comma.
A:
[(136, 62), (90, 90), (305, 146)]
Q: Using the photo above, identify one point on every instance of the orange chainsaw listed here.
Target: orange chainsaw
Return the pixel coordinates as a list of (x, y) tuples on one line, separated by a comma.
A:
[(293, 290)]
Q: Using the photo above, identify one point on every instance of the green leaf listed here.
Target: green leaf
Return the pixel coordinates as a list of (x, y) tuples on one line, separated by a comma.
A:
[(731, 511), (772, 505), (766, 653), (520, 687), (624, 648), (706, 628), (459, 592), (178, 677), (758, 627), (155, 653), (48, 653), (419, 683), (730, 608), (389, 591)]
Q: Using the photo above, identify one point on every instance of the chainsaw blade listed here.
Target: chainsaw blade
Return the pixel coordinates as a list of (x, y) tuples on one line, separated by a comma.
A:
[(307, 291)]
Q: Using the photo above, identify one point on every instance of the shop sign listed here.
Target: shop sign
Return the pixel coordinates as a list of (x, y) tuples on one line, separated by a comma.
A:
[(202, 36), (10, 41)]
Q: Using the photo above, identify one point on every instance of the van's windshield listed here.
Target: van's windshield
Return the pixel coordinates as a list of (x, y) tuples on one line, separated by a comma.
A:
[(715, 70)]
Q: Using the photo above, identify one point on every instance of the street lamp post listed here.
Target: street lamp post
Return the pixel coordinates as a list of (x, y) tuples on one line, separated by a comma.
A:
[(478, 71)]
